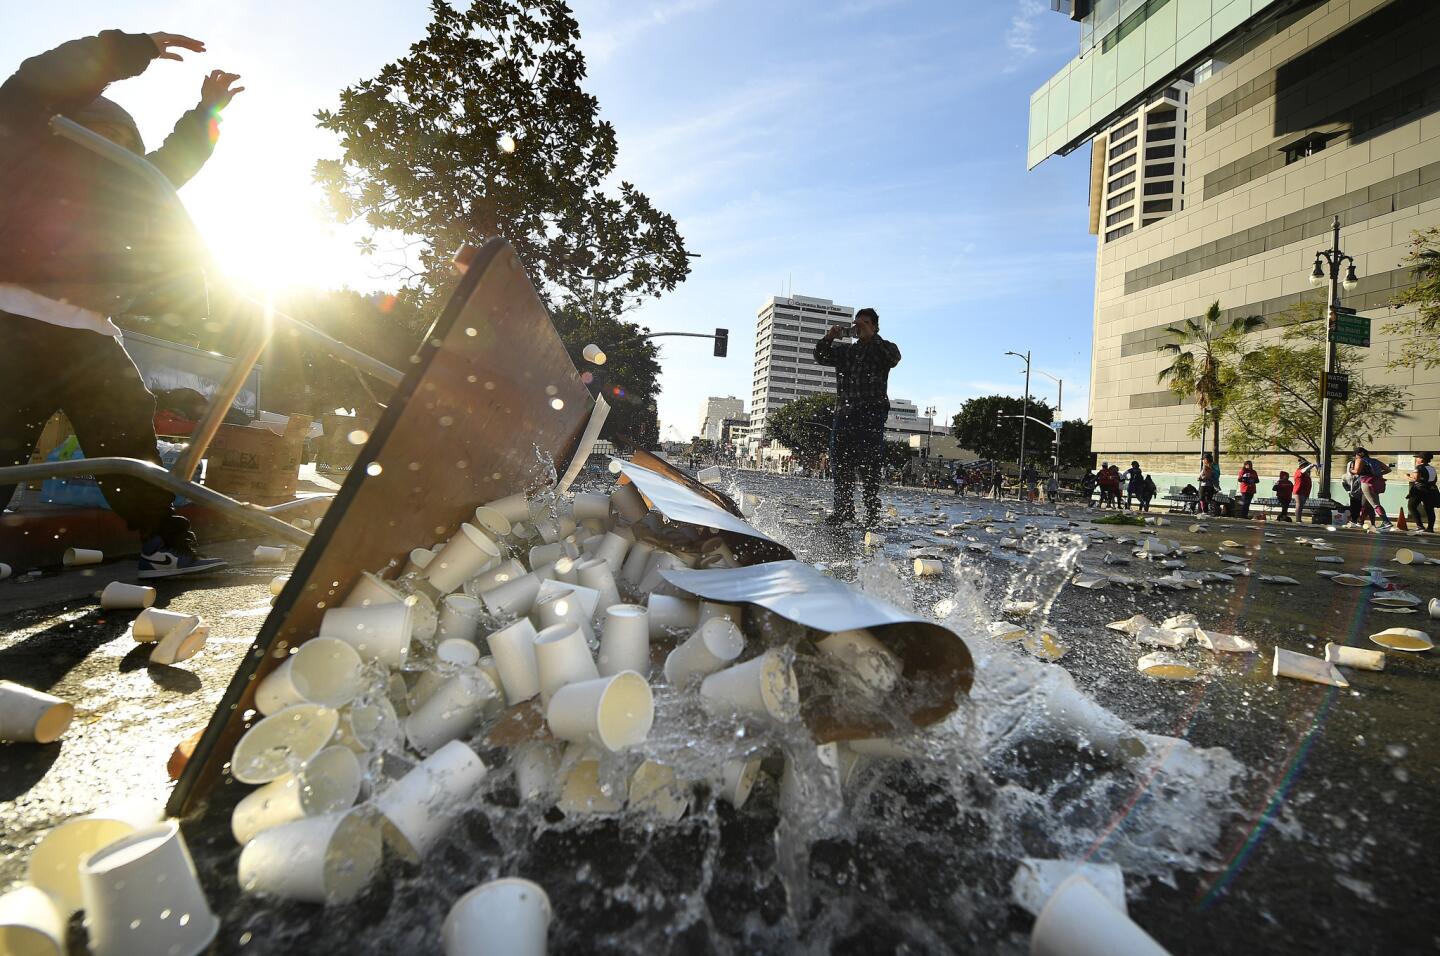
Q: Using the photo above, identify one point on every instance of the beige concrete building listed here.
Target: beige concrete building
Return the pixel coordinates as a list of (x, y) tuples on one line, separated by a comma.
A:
[(1299, 112)]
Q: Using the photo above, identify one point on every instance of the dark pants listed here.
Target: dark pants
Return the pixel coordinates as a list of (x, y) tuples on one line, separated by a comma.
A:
[(1422, 507), (1245, 500), (1285, 509), (858, 442), (44, 369)]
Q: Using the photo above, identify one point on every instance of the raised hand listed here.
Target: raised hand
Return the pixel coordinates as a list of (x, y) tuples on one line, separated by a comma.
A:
[(216, 90), (164, 41)]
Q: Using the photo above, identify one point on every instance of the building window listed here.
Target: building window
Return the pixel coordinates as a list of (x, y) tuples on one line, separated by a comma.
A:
[(1301, 148), (1114, 234), (1122, 182), (1127, 129), (1163, 169), (1164, 133), (1161, 116), (1124, 147), (1159, 152), (1122, 165), (1120, 216), (1120, 199), (1159, 189), (1159, 205)]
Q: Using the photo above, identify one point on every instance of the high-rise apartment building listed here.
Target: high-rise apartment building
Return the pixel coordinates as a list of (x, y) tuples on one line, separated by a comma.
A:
[(715, 412), (1290, 112), (786, 330)]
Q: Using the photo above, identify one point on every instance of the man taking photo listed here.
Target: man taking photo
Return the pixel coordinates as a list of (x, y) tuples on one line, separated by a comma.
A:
[(862, 403)]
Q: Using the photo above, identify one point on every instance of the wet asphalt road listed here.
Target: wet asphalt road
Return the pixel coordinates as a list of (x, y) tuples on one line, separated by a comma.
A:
[(1330, 846)]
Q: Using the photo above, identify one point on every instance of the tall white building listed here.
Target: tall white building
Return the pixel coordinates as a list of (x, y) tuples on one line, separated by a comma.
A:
[(786, 331), (714, 413), (905, 420), (1137, 166)]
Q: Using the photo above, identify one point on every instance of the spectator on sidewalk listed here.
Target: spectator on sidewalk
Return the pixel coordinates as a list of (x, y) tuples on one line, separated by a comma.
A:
[(1147, 492), (1301, 481), (82, 243), (1249, 480), (1284, 488), (1424, 495), (862, 375), (1209, 481), (1132, 479), (997, 483), (1087, 486)]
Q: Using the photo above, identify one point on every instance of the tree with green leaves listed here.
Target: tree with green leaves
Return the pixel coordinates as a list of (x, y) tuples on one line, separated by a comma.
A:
[(978, 428), (897, 453), (804, 426), (1075, 451), (483, 130), (1272, 399), (1421, 330), (630, 378), (1197, 350)]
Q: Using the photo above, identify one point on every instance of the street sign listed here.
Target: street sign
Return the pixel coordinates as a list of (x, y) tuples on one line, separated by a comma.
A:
[(1347, 328), (1335, 386)]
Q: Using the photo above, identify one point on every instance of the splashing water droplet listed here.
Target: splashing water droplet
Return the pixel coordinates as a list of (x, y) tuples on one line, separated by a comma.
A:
[(557, 403), (373, 469), (358, 437)]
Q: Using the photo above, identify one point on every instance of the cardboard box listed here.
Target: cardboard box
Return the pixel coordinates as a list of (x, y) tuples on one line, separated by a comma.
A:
[(253, 463)]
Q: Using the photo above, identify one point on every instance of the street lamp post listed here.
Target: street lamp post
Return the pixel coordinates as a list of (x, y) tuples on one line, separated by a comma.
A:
[(1333, 257), (1025, 410)]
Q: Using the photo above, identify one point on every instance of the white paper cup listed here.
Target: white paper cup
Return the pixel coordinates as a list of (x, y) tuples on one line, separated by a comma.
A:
[(278, 582), (654, 789), (509, 917), (54, 865), (32, 716), (418, 560), (451, 711), (5, 570), (1410, 556), (562, 657), (420, 807), (763, 686), (632, 572), (625, 641), (878, 666), (627, 502), (597, 575), (536, 767), (323, 670), (493, 522), (710, 610), (30, 923), (450, 655), (79, 557), (514, 508), (142, 896), (514, 650), (515, 597), (652, 582), (671, 613), (713, 645), (590, 507), (1435, 607), (1357, 657), (377, 633), (180, 644), (797, 788), (612, 549), (502, 573), (611, 712), (283, 743), (737, 779), (368, 724), (459, 618), (371, 590), (327, 784), (269, 554), (1079, 921), (320, 859), (928, 567), (119, 596), (547, 526), (464, 556), (581, 791), (543, 554)]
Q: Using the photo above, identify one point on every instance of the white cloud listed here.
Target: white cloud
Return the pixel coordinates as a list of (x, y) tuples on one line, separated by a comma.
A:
[(603, 43), (1020, 37)]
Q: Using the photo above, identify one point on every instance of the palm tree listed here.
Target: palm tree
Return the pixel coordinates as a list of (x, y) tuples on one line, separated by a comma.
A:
[(1196, 370)]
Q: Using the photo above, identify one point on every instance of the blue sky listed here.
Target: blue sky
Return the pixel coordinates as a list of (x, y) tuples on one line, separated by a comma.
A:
[(867, 151)]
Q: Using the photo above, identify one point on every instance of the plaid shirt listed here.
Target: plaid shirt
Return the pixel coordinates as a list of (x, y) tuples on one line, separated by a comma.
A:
[(862, 369)]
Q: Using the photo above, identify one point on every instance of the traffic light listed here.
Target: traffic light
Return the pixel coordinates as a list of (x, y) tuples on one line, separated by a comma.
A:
[(722, 342)]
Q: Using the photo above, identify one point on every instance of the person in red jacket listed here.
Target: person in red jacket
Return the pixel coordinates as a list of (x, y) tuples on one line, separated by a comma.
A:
[(1301, 481), (82, 240), (1284, 490), (1249, 483)]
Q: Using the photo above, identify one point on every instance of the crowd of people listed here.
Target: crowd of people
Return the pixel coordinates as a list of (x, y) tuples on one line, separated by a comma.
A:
[(1132, 484)]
